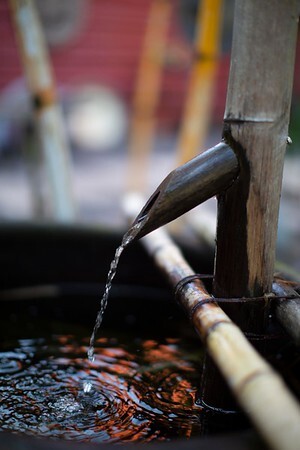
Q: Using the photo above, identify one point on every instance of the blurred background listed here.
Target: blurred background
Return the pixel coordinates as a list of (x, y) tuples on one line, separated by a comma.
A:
[(132, 78)]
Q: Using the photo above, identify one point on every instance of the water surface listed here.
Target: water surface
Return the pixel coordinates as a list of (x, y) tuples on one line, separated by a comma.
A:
[(134, 390)]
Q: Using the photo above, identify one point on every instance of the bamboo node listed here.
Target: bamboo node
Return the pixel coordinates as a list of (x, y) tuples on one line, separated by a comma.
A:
[(189, 279), (210, 299), (252, 377), (206, 298), (198, 305), (43, 98)]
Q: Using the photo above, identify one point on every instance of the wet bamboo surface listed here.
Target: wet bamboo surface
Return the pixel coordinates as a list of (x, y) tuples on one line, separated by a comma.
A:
[(147, 93), (198, 105), (47, 112), (259, 390)]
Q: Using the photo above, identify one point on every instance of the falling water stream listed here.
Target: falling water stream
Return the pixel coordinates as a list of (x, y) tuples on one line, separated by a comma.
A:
[(127, 238)]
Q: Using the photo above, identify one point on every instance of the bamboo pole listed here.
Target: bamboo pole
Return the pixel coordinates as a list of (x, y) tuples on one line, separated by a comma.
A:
[(256, 127), (258, 388), (33, 162), (188, 186), (147, 92), (198, 105), (47, 112)]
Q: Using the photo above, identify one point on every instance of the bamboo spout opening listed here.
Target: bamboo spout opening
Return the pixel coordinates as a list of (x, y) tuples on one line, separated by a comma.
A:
[(148, 206), (189, 185)]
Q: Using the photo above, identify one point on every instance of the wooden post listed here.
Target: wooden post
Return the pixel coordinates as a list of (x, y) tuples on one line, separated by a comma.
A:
[(256, 127)]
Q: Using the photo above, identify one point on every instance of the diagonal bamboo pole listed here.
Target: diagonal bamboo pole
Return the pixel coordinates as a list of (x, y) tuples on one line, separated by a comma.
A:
[(258, 388), (197, 110), (147, 92), (47, 112)]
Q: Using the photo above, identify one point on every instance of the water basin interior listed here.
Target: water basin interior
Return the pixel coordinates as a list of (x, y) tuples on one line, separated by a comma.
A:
[(141, 386), (144, 383)]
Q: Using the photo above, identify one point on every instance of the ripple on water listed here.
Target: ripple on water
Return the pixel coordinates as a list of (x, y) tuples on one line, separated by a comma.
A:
[(135, 392)]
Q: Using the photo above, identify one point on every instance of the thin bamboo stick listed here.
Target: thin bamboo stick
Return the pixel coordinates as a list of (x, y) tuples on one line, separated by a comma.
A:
[(47, 112), (258, 388), (33, 162), (198, 105), (147, 92)]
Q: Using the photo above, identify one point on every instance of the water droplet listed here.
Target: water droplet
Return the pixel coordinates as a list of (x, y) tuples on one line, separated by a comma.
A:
[(90, 354), (87, 387)]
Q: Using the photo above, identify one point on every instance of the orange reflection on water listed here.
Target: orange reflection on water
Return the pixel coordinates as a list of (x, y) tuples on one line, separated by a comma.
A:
[(182, 393), (161, 353), (149, 343)]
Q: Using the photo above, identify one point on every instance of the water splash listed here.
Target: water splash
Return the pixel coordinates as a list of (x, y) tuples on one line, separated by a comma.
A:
[(137, 389), (87, 387), (127, 238)]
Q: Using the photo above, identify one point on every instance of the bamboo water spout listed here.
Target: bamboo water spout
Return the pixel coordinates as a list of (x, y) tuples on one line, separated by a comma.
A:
[(189, 185)]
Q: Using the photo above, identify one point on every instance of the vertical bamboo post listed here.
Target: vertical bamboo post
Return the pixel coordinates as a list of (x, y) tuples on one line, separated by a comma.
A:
[(197, 111), (147, 91), (256, 126), (47, 112)]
